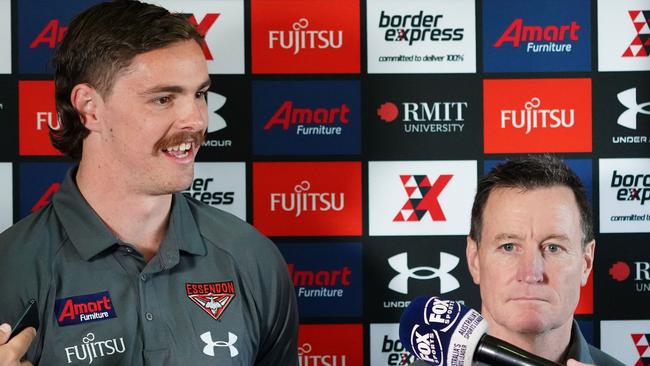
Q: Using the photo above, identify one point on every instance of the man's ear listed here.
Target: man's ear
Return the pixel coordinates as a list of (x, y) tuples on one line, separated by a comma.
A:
[(86, 100), (471, 252), (588, 261)]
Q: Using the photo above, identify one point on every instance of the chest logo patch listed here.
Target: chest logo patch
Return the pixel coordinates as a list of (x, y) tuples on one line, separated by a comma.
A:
[(84, 308), (213, 297)]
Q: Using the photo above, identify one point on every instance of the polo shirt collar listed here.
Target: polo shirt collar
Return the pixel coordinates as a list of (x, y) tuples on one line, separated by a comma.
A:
[(90, 236), (578, 346)]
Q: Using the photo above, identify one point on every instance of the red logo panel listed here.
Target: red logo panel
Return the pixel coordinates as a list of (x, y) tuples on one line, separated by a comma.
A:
[(37, 112), (316, 36), (537, 115), (331, 344), (586, 303), (302, 199)]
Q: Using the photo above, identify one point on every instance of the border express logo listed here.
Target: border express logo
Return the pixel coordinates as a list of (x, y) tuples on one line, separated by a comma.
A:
[(624, 192), (221, 23), (327, 278), (84, 308), (314, 37), (6, 196), (306, 117), (421, 36), (213, 298), (540, 37), (5, 37), (36, 115), (435, 201), (386, 347), (304, 199), (221, 185), (623, 35), (330, 344), (537, 115)]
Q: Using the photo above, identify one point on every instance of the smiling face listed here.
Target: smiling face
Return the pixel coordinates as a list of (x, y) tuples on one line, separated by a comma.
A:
[(153, 120), (530, 263)]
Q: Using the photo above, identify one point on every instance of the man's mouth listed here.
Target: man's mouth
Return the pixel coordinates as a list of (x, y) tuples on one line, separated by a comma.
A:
[(179, 151)]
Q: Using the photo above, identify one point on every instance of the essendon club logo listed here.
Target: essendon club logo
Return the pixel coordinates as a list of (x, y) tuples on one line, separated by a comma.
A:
[(36, 115), (422, 198), (640, 45), (289, 37), (291, 199), (213, 298), (537, 115), (84, 308)]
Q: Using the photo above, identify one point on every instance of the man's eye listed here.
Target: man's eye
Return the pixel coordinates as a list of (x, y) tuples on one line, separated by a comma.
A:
[(508, 247), (202, 95), (553, 248), (163, 100)]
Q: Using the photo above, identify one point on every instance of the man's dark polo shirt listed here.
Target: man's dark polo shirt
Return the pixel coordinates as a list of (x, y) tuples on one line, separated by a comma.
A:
[(217, 292)]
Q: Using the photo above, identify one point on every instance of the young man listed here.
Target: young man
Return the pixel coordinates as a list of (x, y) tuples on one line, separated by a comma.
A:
[(124, 268), (530, 249)]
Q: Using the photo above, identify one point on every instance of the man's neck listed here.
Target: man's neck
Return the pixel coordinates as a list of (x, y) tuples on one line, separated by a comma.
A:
[(552, 344), (137, 219)]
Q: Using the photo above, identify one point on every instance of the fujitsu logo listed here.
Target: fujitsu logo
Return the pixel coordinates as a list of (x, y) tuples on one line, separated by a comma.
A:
[(532, 118), (91, 349), (422, 198), (517, 32), (299, 38), (301, 200), (210, 345), (203, 27), (640, 45), (399, 263), (628, 99), (318, 360)]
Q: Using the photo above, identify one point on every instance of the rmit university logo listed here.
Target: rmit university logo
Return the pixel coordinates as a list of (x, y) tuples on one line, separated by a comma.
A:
[(538, 39), (203, 27), (621, 271), (301, 200), (629, 118), (307, 359), (640, 45), (631, 187), (213, 298), (301, 38), (424, 117), (642, 342), (419, 27), (399, 263), (422, 198), (210, 344), (532, 117), (317, 121)]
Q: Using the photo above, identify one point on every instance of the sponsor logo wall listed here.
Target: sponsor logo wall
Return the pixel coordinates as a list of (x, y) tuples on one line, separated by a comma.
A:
[(353, 133)]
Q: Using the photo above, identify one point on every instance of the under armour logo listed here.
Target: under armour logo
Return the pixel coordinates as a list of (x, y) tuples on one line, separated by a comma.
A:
[(399, 263), (215, 121), (210, 344), (628, 99)]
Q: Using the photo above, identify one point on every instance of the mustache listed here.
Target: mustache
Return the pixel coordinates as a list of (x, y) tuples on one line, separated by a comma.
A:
[(196, 137)]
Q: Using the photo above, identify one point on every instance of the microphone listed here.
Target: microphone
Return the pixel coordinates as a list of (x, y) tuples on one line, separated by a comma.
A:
[(446, 333)]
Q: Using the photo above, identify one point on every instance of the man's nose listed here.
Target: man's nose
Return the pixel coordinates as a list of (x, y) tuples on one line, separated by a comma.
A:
[(531, 267), (193, 115)]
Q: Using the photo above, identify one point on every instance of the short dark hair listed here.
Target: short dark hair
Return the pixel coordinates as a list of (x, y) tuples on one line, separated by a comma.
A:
[(534, 171), (99, 43)]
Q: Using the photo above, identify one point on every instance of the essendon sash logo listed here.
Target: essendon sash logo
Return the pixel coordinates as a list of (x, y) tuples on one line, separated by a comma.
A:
[(422, 198), (213, 297), (537, 115), (84, 308)]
